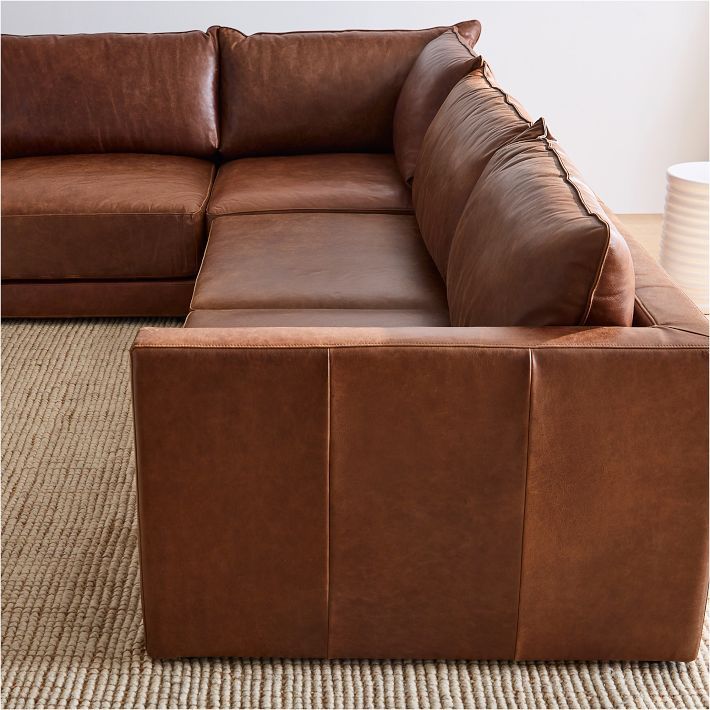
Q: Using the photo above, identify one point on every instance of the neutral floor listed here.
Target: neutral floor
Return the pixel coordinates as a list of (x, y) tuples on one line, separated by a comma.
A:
[(71, 623)]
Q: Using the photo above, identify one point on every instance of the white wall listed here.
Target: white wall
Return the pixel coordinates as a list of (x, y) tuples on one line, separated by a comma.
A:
[(623, 85)]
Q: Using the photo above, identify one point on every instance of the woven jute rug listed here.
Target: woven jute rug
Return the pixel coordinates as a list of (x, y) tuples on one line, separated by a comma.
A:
[(71, 624)]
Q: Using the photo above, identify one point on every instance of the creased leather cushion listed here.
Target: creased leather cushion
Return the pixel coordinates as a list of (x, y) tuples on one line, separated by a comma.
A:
[(334, 182), (317, 260), (104, 93), (441, 64), (105, 216), (534, 247), (476, 119), (313, 92)]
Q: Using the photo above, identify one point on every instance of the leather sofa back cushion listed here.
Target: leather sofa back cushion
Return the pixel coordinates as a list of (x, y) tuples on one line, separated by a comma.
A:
[(474, 121), (313, 92), (534, 247), (104, 93), (441, 64)]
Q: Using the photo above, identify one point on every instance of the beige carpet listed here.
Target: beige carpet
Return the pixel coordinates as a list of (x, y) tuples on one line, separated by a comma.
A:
[(71, 631)]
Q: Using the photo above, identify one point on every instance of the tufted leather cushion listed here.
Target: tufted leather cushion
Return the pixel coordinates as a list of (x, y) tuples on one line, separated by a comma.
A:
[(104, 93), (313, 92), (441, 64), (534, 247), (476, 119)]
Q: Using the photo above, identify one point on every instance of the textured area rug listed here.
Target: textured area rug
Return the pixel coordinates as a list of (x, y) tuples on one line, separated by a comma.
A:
[(71, 631)]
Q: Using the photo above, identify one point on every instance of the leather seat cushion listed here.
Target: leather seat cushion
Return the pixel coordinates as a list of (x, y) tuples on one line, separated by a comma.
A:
[(338, 182), (317, 317), (103, 216), (317, 260)]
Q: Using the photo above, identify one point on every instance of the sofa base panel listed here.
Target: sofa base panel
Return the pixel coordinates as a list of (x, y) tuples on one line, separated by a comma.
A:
[(88, 299)]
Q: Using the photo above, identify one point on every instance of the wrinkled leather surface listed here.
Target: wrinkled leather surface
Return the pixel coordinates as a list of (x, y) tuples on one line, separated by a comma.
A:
[(234, 547), (441, 64), (535, 248), (334, 182), (103, 216), (89, 299), (432, 433), (319, 260), (334, 317), (476, 119), (313, 92), (103, 93)]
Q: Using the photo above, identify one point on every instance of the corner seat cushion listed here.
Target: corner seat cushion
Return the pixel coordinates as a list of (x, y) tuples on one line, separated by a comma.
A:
[(534, 247), (337, 182), (318, 317), (317, 260), (103, 216), (476, 119)]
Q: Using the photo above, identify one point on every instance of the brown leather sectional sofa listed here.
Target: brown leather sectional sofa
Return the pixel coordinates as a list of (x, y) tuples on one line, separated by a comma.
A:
[(430, 399)]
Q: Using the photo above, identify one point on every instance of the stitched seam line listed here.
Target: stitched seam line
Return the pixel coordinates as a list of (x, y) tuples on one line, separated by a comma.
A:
[(645, 310), (506, 97), (531, 366), (470, 50), (327, 569), (591, 213), (178, 346)]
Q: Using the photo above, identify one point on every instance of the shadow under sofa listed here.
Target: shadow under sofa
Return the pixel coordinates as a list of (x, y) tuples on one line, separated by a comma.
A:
[(430, 400)]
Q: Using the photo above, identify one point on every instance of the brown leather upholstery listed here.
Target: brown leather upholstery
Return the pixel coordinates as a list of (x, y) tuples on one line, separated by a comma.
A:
[(534, 247), (333, 182), (248, 528), (476, 119), (324, 317), (103, 216), (461, 475), (319, 260), (104, 93), (441, 64), (313, 92), (89, 299)]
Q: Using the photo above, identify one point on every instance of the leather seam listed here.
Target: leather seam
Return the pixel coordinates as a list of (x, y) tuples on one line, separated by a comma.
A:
[(293, 346), (531, 369), (314, 210), (506, 97), (645, 310), (328, 513), (591, 213), (107, 214)]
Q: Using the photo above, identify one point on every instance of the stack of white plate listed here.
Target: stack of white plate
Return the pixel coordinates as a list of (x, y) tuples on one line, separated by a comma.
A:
[(684, 240)]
